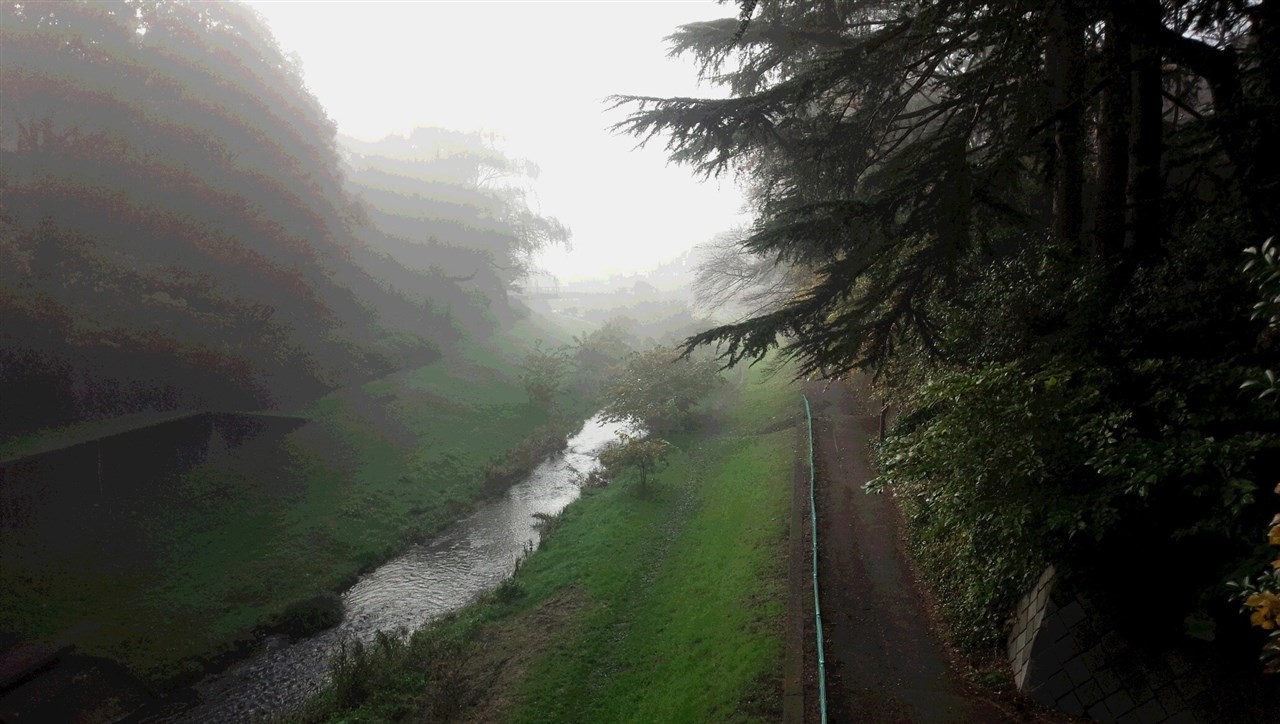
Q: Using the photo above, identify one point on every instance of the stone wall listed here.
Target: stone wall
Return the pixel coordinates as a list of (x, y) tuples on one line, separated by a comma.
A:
[(1065, 656)]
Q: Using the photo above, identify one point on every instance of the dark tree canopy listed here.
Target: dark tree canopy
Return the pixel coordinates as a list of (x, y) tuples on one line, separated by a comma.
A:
[(1026, 219), (888, 145)]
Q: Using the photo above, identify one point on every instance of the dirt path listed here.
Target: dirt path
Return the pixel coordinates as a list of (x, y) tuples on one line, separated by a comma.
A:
[(884, 663)]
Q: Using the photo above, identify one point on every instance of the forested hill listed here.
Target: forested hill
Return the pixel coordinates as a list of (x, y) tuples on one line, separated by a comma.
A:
[(176, 227), (447, 203)]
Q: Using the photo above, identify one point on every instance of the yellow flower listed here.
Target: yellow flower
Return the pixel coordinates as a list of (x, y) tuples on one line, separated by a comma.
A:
[(1266, 609), (1276, 564), (1274, 535)]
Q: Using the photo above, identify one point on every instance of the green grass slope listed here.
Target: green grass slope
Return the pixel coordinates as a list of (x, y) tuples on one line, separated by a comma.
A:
[(186, 575), (689, 582), (661, 605)]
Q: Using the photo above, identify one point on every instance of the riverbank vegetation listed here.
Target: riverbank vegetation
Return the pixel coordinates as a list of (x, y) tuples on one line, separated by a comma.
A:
[(663, 601), (1027, 223), (214, 558)]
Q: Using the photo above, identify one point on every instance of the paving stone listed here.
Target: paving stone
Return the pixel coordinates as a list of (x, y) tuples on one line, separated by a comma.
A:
[(1057, 630), (1077, 671), (1014, 649), (1178, 664), (1129, 669), (1072, 613), (1070, 704), (1159, 675), (1087, 632), (1055, 653), (1055, 688), (1107, 681), (1118, 703), (1149, 712), (1052, 628), (1089, 693), (1114, 644), (1100, 713), (1204, 704), (1170, 698), (1182, 717), (1192, 686), (1095, 657)]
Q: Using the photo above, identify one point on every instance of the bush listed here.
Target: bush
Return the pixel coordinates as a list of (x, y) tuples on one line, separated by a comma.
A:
[(638, 456), (1140, 474), (541, 371), (656, 389), (303, 618), (547, 439), (425, 669)]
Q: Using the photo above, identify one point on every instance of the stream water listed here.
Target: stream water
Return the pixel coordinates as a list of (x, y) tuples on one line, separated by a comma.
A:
[(422, 584)]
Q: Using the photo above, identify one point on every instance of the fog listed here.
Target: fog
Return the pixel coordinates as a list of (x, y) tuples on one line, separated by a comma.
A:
[(537, 74)]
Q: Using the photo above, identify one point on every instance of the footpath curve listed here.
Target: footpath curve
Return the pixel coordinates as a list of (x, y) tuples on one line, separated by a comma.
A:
[(883, 662)]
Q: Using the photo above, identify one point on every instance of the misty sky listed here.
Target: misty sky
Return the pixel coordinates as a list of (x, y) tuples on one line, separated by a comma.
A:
[(537, 73)]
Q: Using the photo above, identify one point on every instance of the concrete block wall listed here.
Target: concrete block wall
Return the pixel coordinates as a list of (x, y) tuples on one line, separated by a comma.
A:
[(1064, 655)]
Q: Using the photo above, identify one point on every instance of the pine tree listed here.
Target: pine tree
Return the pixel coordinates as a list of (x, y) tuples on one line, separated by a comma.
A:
[(890, 145)]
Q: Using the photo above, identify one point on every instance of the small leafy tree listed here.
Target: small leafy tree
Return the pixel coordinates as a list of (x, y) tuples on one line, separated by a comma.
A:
[(657, 390), (1261, 596), (542, 371), (598, 355), (642, 456)]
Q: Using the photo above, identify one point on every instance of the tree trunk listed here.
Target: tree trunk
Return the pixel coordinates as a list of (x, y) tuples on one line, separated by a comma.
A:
[(1264, 183), (1146, 142), (1113, 139), (1065, 66)]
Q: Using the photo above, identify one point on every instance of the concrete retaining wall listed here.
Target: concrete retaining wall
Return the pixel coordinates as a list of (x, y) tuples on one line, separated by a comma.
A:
[(1064, 655)]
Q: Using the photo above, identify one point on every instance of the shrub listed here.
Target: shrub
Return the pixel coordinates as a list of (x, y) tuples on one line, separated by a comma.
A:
[(425, 668), (303, 618)]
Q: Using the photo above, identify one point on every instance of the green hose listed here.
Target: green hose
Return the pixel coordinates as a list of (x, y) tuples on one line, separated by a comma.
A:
[(817, 608)]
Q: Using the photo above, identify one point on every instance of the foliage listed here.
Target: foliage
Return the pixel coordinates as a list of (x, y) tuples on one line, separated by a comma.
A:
[(545, 440), (362, 674), (598, 355), (304, 618), (642, 456), (542, 371), (656, 390), (885, 142), (1261, 596), (1008, 467), (1264, 265), (450, 201), (1021, 220)]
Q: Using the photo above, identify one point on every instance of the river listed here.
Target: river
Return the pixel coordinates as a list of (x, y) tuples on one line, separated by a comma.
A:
[(422, 584)]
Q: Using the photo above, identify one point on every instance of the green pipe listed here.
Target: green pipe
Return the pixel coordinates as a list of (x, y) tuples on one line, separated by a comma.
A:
[(817, 607)]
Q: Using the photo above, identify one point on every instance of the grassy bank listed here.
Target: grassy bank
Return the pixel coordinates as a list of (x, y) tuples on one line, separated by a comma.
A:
[(185, 576), (661, 606)]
